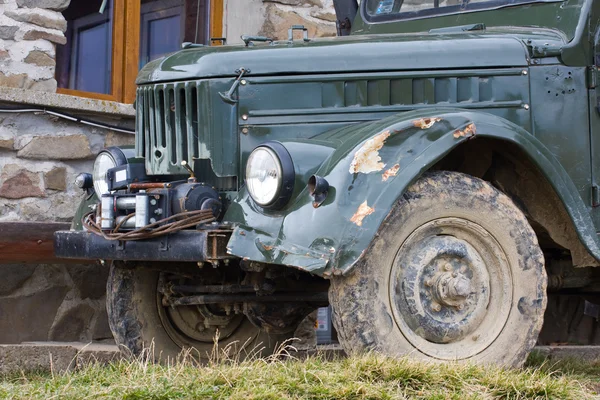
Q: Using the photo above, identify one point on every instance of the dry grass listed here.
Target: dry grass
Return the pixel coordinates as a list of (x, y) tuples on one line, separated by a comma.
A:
[(285, 377)]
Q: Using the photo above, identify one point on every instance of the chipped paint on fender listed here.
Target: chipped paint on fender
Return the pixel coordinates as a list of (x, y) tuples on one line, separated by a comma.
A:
[(425, 123), (467, 131), (367, 159), (390, 172), (361, 213)]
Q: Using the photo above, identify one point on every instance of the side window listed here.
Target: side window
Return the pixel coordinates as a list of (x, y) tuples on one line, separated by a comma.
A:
[(85, 63)]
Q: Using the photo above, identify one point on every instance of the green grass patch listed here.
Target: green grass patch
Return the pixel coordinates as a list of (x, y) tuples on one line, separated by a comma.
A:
[(365, 377)]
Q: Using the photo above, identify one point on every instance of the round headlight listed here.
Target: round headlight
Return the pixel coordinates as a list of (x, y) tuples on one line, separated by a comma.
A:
[(263, 176), (103, 163), (270, 175), (108, 158)]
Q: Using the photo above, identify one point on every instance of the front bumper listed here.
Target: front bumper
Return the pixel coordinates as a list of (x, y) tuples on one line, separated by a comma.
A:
[(182, 246)]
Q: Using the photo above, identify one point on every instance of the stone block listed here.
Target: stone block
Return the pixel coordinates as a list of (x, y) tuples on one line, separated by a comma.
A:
[(48, 85), (56, 5), (278, 22), (13, 277), (19, 183), (35, 34), (19, 358), (56, 356), (7, 32), (90, 280), (40, 58), (119, 139), (57, 207), (72, 147), (7, 144), (71, 324), (101, 328), (4, 55), (324, 15), (30, 315), (39, 17), (13, 81), (56, 179)]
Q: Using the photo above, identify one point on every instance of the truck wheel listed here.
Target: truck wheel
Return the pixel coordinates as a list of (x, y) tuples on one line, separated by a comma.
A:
[(139, 321), (455, 273)]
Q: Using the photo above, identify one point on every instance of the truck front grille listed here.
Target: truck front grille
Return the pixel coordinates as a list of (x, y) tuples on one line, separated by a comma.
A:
[(169, 132)]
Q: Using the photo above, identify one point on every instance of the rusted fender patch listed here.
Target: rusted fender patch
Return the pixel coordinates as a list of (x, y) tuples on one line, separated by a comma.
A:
[(425, 123), (466, 132), (252, 245), (363, 211), (367, 159), (390, 172)]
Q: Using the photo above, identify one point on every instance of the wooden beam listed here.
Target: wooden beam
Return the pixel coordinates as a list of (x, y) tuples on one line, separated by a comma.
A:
[(30, 243)]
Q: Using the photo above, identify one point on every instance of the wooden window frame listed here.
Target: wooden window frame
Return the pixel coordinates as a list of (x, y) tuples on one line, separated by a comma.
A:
[(126, 49)]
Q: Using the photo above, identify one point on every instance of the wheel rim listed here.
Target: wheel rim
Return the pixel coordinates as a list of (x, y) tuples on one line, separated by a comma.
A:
[(199, 323), (451, 288), (195, 326)]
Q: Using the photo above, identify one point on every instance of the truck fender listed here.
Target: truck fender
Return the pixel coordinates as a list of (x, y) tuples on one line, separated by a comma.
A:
[(371, 167)]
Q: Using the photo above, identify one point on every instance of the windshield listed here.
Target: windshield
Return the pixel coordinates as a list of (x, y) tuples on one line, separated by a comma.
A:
[(409, 9)]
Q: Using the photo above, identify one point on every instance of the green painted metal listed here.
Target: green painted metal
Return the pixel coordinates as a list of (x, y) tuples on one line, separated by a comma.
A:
[(524, 79), (328, 230)]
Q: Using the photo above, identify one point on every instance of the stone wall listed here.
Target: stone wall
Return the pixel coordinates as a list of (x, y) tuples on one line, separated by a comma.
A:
[(40, 156), (273, 18), (29, 31)]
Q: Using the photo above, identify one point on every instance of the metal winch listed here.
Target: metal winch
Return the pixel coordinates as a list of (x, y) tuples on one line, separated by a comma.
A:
[(155, 202)]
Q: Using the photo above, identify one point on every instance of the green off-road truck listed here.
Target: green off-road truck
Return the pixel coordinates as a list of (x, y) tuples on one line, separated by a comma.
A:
[(431, 173)]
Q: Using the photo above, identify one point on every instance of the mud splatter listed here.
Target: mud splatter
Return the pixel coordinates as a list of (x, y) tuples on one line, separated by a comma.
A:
[(367, 159), (361, 213), (390, 172), (468, 131), (425, 123)]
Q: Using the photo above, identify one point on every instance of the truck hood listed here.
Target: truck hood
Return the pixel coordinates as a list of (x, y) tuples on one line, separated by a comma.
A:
[(375, 53)]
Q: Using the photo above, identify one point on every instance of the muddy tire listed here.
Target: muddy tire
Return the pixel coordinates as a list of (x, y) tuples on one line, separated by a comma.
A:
[(139, 321), (455, 273)]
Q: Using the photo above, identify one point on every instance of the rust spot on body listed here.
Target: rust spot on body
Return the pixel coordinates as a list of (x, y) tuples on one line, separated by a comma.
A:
[(425, 123), (361, 213), (390, 172), (367, 159), (468, 131)]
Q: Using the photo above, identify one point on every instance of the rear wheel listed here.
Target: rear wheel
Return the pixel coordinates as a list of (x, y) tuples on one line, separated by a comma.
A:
[(455, 273), (139, 320)]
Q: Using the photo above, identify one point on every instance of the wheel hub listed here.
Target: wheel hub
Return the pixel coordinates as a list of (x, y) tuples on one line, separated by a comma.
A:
[(441, 286)]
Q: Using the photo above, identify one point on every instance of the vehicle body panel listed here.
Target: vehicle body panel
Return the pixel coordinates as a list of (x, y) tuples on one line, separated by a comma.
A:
[(329, 233)]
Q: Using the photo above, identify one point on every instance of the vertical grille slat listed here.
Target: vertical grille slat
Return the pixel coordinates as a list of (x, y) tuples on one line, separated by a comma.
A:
[(158, 121), (140, 127), (151, 121), (169, 135), (180, 124), (199, 131), (192, 119)]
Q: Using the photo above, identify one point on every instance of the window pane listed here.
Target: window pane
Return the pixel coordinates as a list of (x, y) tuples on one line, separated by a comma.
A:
[(165, 36), (85, 62), (93, 60), (162, 28)]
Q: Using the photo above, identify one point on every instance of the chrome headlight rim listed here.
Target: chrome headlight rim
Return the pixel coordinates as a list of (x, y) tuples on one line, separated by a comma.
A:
[(118, 158), (286, 179)]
